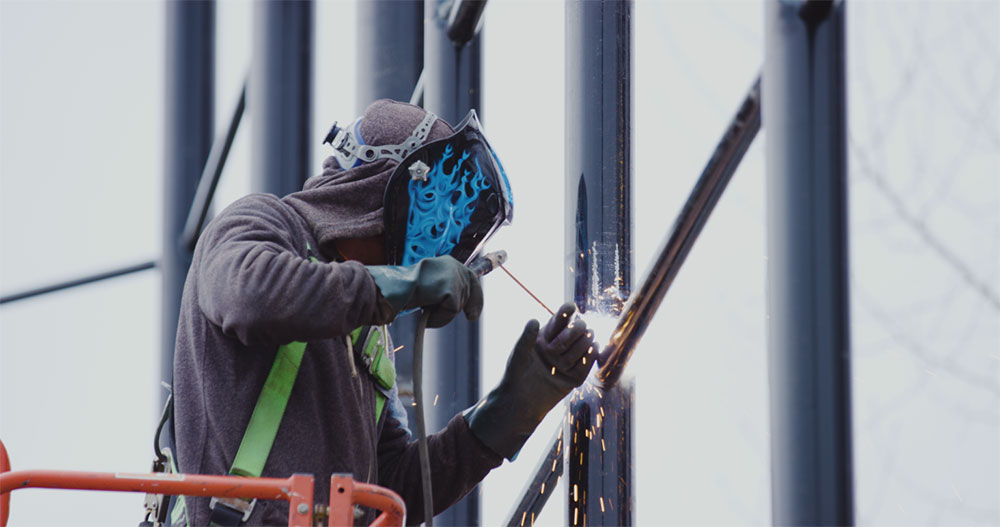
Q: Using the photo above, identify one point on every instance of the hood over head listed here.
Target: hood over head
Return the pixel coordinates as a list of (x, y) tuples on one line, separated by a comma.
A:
[(340, 203)]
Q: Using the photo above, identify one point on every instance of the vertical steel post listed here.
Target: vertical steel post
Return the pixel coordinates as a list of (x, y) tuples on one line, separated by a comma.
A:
[(644, 301), (599, 70), (453, 80), (599, 458), (390, 49), (390, 52), (280, 95), (190, 104), (809, 339)]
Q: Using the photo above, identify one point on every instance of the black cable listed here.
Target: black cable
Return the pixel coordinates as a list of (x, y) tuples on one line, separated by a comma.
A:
[(418, 395), (167, 410), (480, 266)]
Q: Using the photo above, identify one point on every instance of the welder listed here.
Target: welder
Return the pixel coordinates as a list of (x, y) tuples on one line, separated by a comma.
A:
[(283, 362)]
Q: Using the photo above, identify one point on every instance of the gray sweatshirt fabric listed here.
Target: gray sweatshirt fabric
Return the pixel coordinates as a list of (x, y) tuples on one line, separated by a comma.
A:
[(252, 287)]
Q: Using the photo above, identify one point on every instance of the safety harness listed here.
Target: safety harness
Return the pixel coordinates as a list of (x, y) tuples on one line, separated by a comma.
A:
[(368, 345), (267, 414)]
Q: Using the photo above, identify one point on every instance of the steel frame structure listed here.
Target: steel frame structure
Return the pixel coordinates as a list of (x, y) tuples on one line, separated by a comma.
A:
[(809, 326), (643, 303), (809, 337)]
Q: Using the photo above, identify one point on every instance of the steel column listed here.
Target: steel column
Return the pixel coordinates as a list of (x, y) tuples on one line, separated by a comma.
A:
[(600, 450), (453, 80), (189, 117), (599, 154), (390, 51), (809, 339), (280, 95), (598, 249), (642, 305)]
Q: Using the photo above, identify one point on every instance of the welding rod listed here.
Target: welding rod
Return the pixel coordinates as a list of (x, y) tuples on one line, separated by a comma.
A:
[(526, 290), (482, 265)]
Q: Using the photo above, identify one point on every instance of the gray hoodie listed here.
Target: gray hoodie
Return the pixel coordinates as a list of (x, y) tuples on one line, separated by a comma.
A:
[(251, 288)]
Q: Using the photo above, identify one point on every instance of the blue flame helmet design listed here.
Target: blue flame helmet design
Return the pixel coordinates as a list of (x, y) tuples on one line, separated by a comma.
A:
[(446, 197)]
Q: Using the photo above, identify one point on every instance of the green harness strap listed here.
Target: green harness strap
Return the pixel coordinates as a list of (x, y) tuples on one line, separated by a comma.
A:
[(267, 414), (263, 427)]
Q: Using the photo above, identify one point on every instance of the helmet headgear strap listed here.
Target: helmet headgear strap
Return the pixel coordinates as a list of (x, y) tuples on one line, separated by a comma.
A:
[(350, 150)]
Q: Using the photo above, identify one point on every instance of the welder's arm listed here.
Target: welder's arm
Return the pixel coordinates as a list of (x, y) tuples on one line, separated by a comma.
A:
[(442, 286), (254, 283), (459, 461), (543, 368), (476, 442)]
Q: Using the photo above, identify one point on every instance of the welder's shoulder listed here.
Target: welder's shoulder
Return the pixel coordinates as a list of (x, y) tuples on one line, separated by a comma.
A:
[(266, 205), (256, 212)]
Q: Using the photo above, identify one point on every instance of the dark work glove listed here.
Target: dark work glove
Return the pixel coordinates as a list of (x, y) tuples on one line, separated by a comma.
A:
[(442, 286), (542, 369)]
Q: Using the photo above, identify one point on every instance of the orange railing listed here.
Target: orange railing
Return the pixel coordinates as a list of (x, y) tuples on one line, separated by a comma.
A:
[(297, 490)]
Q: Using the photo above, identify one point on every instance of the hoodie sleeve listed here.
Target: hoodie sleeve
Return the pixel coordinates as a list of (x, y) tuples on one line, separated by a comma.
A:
[(459, 461), (254, 284)]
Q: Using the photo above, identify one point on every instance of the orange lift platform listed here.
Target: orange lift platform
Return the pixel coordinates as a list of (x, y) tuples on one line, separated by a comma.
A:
[(297, 490)]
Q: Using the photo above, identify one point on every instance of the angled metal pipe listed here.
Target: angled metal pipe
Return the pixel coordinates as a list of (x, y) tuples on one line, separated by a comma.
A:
[(464, 20), (115, 273), (717, 173), (541, 487), (211, 174), (417, 96), (701, 202)]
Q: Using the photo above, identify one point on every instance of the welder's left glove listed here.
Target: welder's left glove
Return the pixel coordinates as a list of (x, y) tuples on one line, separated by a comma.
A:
[(442, 286), (543, 368)]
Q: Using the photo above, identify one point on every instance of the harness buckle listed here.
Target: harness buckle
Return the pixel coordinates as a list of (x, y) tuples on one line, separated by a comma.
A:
[(237, 505)]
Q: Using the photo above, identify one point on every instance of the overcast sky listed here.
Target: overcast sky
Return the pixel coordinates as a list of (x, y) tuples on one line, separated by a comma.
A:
[(81, 164)]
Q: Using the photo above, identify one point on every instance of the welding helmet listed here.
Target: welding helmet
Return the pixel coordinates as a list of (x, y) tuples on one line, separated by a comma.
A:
[(444, 197)]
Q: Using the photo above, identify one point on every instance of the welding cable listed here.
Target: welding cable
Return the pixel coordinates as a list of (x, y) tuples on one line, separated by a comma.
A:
[(418, 395), (168, 410), (481, 265)]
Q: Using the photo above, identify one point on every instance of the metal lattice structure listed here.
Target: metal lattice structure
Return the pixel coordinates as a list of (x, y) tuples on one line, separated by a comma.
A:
[(800, 99)]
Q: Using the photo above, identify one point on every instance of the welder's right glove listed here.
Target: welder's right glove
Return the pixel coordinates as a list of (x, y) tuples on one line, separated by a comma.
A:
[(442, 286), (542, 369)]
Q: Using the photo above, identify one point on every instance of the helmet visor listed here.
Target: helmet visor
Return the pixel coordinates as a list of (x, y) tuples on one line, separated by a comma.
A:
[(447, 197)]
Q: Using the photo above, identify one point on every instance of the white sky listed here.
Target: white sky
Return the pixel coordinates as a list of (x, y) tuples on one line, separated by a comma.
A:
[(81, 157)]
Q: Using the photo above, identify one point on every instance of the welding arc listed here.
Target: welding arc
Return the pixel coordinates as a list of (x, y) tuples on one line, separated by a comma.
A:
[(644, 302), (526, 290)]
